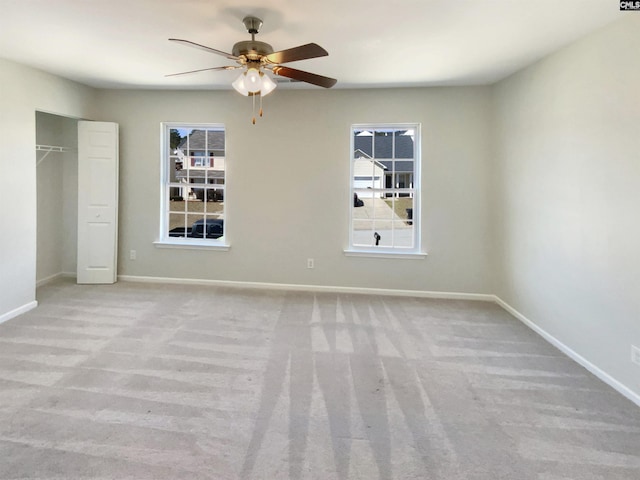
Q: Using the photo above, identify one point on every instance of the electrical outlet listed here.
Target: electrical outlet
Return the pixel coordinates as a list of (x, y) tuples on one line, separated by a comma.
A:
[(310, 263), (635, 354), (132, 254)]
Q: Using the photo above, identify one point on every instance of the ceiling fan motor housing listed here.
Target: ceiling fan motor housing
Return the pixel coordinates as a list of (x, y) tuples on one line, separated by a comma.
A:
[(251, 49)]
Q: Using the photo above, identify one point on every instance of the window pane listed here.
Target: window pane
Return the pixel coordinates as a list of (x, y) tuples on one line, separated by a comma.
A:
[(402, 207), (385, 237), (191, 221), (402, 235), (215, 175), (175, 202), (174, 138), (383, 144), (177, 225), (403, 143), (362, 233), (215, 197), (197, 175), (195, 205), (380, 208), (215, 143), (176, 171), (363, 143)]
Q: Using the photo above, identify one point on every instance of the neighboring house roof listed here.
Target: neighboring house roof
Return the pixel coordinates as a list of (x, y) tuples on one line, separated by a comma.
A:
[(369, 159), (213, 141), (360, 154), (381, 146)]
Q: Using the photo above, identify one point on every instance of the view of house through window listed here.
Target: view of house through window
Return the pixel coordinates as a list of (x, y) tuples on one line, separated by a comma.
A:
[(384, 187), (194, 181)]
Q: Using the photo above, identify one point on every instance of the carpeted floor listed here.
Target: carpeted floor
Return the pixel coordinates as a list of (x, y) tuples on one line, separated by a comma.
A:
[(140, 381)]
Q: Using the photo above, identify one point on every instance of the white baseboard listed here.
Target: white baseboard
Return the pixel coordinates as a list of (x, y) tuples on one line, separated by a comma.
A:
[(312, 288), (602, 375), (18, 311), (48, 279), (576, 357), (55, 276)]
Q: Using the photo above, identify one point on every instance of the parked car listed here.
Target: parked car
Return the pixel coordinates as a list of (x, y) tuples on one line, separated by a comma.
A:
[(213, 194), (214, 228)]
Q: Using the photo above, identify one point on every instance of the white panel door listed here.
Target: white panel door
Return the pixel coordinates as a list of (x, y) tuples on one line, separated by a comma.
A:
[(97, 202)]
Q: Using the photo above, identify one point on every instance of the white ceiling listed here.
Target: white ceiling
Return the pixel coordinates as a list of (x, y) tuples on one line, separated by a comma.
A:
[(123, 43)]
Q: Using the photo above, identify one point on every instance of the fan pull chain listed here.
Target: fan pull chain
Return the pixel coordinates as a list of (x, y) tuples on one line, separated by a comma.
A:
[(261, 104), (253, 120)]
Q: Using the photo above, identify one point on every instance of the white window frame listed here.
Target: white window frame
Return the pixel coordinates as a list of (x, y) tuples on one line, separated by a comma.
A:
[(390, 252), (164, 240)]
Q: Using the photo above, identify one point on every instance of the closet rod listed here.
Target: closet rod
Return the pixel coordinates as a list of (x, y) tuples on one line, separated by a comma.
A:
[(48, 149)]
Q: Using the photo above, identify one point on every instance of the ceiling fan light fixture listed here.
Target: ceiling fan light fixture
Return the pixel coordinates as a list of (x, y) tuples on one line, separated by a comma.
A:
[(254, 82), (255, 56)]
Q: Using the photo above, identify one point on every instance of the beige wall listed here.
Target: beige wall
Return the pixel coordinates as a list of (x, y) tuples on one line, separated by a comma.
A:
[(566, 180), (287, 193), (24, 91)]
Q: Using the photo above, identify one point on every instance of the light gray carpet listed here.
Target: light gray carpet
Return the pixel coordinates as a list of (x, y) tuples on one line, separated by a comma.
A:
[(138, 381)]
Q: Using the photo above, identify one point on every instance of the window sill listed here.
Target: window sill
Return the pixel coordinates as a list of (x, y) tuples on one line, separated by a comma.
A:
[(386, 254), (192, 245)]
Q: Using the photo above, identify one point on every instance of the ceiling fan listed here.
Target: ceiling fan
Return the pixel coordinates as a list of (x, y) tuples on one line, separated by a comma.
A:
[(256, 57)]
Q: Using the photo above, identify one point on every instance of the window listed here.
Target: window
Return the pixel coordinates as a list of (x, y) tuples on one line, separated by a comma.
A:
[(385, 190), (193, 184)]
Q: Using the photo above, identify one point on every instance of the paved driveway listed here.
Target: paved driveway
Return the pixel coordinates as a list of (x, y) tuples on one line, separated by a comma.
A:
[(376, 216), (378, 210)]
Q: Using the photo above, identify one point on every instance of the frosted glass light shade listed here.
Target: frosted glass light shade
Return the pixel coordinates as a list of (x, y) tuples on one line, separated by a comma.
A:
[(252, 80), (240, 86), (268, 85)]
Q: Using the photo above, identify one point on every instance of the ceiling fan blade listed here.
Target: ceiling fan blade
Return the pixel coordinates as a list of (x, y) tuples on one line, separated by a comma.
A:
[(307, 77), (229, 67), (310, 50), (202, 47)]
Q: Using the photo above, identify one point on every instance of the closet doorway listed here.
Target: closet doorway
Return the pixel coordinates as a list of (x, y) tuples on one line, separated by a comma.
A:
[(57, 196)]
